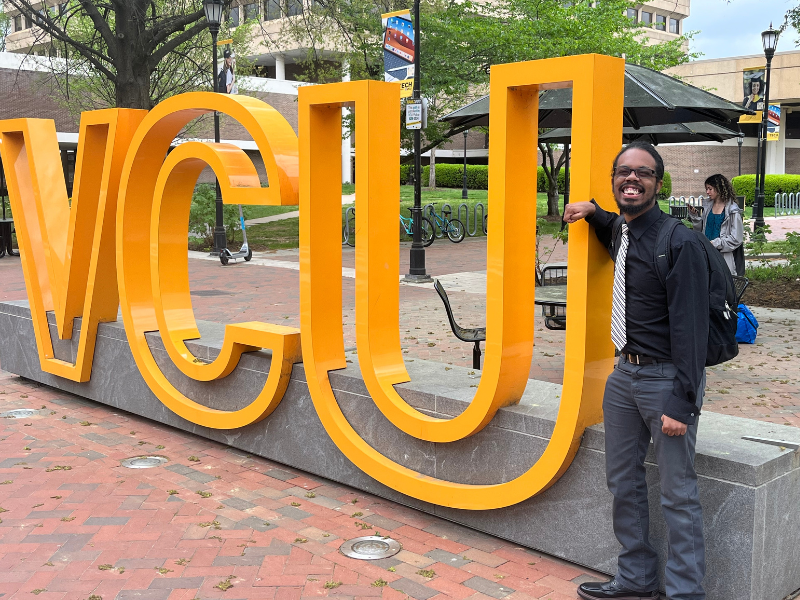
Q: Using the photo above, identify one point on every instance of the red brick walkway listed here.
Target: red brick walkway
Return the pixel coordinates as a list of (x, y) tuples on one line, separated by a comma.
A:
[(215, 522)]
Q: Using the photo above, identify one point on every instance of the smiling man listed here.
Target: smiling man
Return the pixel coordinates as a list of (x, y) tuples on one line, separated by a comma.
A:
[(656, 390)]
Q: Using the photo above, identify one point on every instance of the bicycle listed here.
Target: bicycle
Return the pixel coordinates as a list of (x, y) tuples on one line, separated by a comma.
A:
[(452, 227), (407, 223)]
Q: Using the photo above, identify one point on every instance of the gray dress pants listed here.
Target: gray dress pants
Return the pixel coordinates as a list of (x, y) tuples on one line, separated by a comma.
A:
[(633, 406)]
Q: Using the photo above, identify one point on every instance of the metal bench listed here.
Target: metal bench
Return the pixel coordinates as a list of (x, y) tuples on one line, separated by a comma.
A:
[(473, 336), (740, 285), (554, 311)]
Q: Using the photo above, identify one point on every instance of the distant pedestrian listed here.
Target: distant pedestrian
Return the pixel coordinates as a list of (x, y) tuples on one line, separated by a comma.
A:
[(660, 328), (722, 222), (226, 75)]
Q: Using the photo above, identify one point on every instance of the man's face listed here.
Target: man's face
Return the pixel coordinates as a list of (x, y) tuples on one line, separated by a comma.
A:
[(635, 192)]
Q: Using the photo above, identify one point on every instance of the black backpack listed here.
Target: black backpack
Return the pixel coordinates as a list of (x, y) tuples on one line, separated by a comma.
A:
[(722, 318), (222, 81)]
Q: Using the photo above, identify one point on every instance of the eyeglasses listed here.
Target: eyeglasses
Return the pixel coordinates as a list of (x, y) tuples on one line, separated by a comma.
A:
[(641, 172)]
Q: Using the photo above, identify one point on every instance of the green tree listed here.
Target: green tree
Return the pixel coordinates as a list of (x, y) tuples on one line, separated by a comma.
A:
[(461, 40), (5, 29), (124, 53)]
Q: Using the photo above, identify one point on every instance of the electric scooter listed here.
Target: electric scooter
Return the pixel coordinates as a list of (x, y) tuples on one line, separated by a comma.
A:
[(244, 252)]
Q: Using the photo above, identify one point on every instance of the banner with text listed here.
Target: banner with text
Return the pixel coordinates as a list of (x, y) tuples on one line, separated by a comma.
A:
[(773, 123), (398, 50)]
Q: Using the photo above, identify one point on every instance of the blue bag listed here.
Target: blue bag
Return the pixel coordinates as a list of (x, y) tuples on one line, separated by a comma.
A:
[(747, 327)]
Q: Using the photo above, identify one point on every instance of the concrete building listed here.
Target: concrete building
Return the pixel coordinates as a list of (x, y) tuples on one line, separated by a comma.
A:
[(690, 164)]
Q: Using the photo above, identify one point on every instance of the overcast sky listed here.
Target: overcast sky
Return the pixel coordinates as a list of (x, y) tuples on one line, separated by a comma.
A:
[(734, 28)]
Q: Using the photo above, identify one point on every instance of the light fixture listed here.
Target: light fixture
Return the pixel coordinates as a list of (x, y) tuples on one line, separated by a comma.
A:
[(213, 10), (769, 40)]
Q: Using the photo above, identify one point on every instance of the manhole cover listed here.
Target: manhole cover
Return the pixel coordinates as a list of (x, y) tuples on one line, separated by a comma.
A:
[(144, 462), (370, 547), (19, 413)]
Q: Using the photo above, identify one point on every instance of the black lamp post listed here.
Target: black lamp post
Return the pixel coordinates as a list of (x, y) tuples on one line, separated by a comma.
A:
[(740, 141), (416, 269), (213, 10), (769, 39), (464, 178)]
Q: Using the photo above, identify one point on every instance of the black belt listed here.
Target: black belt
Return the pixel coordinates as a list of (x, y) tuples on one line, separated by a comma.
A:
[(638, 359)]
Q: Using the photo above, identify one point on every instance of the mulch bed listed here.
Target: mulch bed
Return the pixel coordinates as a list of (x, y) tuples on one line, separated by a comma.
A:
[(780, 293)]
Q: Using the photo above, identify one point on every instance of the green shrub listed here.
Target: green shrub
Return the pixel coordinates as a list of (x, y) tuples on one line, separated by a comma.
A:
[(203, 214), (452, 176), (405, 170), (666, 188), (745, 185), (542, 184)]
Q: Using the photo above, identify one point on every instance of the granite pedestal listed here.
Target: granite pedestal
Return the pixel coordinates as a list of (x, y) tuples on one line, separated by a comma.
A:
[(750, 489)]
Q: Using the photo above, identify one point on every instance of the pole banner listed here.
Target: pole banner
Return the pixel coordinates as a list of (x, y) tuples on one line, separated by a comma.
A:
[(398, 50), (753, 88), (773, 122)]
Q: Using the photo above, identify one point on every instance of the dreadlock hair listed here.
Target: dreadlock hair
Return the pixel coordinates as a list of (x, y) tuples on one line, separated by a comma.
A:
[(650, 149), (723, 187)]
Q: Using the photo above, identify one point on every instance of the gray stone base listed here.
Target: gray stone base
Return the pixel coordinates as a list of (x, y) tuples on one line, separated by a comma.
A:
[(750, 490)]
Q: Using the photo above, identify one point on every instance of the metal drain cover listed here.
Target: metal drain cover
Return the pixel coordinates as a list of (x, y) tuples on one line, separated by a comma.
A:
[(371, 547), (144, 462), (19, 413)]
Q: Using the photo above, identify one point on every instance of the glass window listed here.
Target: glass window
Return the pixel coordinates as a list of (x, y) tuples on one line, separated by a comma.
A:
[(674, 26), (18, 23), (647, 18), (28, 23), (272, 10), (233, 17), (661, 22), (250, 11), (632, 14), (295, 8)]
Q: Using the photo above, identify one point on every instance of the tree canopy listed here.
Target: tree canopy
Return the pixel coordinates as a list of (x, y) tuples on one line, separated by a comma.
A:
[(461, 40), (124, 53)]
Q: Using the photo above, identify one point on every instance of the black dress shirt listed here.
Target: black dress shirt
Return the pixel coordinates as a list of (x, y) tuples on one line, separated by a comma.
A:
[(666, 322)]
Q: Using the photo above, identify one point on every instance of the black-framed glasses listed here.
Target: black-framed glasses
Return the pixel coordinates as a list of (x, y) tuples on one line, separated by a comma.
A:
[(641, 172)]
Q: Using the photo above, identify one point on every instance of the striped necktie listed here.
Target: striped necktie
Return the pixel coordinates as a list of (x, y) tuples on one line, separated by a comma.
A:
[(618, 334)]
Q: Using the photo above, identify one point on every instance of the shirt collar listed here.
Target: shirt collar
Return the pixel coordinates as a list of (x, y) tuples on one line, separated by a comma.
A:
[(644, 221)]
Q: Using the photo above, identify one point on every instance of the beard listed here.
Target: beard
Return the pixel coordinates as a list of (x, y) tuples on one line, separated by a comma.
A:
[(634, 210)]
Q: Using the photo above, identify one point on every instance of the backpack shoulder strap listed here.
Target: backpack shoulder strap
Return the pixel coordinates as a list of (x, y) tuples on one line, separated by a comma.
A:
[(662, 254)]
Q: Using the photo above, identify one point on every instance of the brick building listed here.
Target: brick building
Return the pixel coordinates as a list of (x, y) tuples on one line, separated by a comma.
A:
[(690, 164)]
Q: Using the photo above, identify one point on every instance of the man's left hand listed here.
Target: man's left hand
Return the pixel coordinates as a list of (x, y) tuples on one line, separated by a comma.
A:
[(672, 427)]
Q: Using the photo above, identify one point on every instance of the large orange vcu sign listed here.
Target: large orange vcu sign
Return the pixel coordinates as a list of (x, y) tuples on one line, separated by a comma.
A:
[(122, 243)]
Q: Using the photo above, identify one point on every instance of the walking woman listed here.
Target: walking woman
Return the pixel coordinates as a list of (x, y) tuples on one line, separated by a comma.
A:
[(722, 222)]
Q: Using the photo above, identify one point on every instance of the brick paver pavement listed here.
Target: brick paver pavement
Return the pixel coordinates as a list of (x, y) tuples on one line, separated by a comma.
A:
[(761, 383), (215, 522)]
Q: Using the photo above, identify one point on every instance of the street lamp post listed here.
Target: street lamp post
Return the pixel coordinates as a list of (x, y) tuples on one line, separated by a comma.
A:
[(464, 178), (769, 39), (416, 269), (740, 141), (213, 10)]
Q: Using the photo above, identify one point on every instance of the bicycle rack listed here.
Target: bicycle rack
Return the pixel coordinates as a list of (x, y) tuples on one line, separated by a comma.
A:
[(787, 204), (351, 210), (476, 223)]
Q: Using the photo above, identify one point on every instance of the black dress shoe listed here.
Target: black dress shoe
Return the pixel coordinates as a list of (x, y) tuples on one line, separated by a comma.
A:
[(611, 589)]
